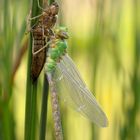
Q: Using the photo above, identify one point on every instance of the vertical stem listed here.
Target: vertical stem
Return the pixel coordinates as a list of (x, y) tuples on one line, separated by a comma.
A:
[(50, 1), (34, 111), (43, 117), (55, 108), (31, 88)]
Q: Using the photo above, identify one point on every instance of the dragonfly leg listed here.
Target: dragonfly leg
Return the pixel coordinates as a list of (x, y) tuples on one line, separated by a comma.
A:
[(45, 46), (28, 23), (36, 52), (36, 17), (39, 6)]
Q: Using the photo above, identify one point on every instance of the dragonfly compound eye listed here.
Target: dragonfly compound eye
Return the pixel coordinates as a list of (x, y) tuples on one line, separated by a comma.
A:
[(62, 33)]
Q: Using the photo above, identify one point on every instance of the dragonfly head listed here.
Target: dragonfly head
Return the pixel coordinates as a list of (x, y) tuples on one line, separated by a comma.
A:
[(61, 32)]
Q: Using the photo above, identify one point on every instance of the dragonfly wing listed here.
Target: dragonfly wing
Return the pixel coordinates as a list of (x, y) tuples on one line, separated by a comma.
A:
[(74, 92)]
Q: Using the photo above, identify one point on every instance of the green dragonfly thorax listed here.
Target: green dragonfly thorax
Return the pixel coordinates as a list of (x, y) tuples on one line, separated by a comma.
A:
[(56, 51)]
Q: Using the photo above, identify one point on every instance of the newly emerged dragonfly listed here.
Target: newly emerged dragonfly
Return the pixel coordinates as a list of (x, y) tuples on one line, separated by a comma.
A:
[(62, 72)]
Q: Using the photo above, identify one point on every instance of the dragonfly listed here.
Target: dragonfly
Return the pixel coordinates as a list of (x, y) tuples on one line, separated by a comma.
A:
[(65, 79)]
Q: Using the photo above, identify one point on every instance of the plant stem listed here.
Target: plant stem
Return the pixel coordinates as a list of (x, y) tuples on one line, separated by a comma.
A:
[(34, 111), (43, 116), (31, 88), (51, 1)]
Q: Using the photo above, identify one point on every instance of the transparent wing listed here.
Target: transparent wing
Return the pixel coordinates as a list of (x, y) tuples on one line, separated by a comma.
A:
[(74, 92)]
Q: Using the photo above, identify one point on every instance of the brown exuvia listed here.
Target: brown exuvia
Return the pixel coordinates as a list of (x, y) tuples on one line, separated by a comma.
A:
[(38, 59), (40, 33)]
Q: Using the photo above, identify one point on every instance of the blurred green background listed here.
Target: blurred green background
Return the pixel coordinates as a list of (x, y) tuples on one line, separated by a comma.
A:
[(105, 45)]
